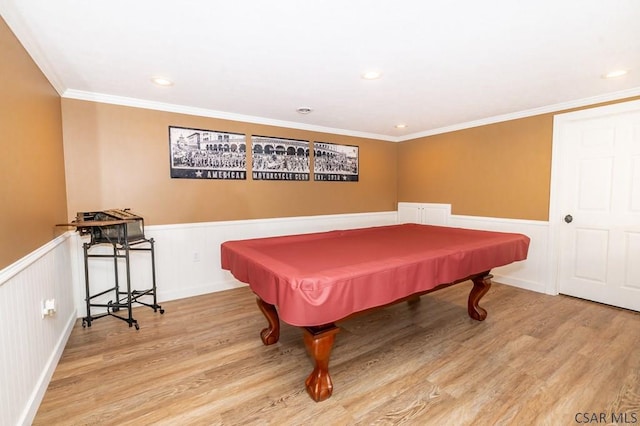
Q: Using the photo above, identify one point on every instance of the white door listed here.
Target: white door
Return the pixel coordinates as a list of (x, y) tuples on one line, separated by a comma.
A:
[(597, 178)]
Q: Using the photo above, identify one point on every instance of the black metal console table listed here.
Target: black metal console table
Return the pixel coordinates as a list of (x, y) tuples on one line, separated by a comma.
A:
[(124, 231)]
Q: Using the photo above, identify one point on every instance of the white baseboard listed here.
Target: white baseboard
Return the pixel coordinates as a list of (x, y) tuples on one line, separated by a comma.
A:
[(47, 373), (199, 290)]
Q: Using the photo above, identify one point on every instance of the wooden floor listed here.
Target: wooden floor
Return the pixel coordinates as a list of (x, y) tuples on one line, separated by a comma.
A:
[(536, 360)]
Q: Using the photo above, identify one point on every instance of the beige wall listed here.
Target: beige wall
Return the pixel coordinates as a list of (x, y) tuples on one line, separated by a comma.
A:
[(32, 182), (498, 170), (118, 157)]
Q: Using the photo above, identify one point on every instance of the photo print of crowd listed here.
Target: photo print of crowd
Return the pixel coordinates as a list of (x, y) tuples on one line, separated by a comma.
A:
[(280, 159), (333, 162), (207, 154)]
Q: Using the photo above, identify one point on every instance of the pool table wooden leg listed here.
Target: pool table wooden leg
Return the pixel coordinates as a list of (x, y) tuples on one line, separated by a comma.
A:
[(481, 285), (414, 300), (271, 334), (319, 341)]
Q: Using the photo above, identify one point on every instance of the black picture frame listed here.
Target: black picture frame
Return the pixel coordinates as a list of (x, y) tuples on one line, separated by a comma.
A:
[(280, 159), (335, 162), (207, 154)]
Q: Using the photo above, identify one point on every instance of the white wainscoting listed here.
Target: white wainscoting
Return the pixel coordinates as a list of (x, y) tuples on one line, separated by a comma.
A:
[(187, 264), (30, 345), (428, 214), (529, 274), (188, 255)]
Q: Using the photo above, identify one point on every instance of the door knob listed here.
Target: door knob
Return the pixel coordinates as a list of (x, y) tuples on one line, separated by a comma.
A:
[(568, 218)]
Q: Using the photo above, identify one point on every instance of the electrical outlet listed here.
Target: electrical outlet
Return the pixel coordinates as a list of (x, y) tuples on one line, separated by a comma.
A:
[(196, 256), (48, 307)]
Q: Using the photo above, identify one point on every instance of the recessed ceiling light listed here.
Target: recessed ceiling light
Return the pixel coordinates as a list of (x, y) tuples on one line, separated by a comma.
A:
[(615, 73), (401, 126), (162, 81), (371, 75), (304, 110)]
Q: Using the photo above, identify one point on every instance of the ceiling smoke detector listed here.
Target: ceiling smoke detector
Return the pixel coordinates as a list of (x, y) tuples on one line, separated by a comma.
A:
[(304, 110)]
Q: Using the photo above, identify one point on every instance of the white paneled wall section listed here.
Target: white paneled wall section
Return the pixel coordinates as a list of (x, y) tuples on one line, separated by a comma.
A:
[(431, 214), (30, 345), (187, 264), (188, 255), (529, 274)]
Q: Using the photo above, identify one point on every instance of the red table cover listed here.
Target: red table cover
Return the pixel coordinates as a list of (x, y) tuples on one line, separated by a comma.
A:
[(319, 278)]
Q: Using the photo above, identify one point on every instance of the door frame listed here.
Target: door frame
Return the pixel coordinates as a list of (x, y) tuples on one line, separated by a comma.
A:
[(555, 206)]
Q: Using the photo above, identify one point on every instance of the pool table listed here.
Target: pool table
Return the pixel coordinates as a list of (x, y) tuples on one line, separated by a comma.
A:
[(314, 280)]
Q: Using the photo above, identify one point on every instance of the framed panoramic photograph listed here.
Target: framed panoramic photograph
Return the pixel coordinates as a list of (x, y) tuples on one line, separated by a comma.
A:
[(333, 162), (207, 154), (279, 158)]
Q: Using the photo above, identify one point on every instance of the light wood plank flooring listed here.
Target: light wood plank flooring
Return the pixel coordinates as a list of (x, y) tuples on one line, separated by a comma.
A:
[(536, 360)]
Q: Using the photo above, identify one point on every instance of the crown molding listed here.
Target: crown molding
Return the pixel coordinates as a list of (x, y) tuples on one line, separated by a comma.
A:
[(561, 107), (25, 36), (203, 112)]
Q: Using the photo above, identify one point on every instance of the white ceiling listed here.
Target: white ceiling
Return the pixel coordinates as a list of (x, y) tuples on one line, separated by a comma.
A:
[(445, 64)]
